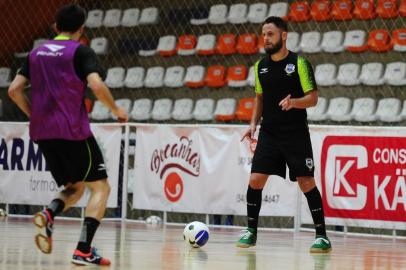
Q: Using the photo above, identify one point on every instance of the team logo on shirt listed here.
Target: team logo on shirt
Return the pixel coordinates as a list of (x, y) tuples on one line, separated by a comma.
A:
[(263, 70), (309, 163), (290, 68)]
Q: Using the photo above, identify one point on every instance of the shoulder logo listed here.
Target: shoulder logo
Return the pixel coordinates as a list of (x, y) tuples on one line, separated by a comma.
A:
[(53, 47), (290, 68), (263, 70)]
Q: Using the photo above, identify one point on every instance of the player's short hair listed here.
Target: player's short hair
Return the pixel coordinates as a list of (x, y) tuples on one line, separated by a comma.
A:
[(70, 18), (278, 22)]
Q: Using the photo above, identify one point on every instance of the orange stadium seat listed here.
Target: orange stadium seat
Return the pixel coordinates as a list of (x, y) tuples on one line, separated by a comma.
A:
[(261, 44), (342, 10), (245, 109), (402, 8), (226, 44), (299, 11), (88, 105), (186, 44), (237, 76), (387, 9), (320, 10), (215, 76), (364, 9), (379, 41), (247, 44), (399, 39)]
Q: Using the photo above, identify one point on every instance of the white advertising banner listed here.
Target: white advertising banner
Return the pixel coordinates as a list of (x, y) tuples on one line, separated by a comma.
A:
[(361, 173), (24, 178), (201, 169)]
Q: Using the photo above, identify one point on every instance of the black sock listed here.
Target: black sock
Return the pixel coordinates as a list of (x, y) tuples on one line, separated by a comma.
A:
[(55, 207), (89, 228), (316, 209), (254, 200)]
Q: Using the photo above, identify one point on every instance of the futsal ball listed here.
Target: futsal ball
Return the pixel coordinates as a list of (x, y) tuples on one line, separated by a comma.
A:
[(196, 234), (3, 212), (153, 220)]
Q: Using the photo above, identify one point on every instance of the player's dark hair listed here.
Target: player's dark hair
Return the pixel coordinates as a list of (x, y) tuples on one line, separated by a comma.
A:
[(278, 22), (70, 18)]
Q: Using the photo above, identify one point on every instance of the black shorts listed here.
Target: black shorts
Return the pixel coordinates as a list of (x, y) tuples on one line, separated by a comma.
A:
[(276, 149), (73, 161)]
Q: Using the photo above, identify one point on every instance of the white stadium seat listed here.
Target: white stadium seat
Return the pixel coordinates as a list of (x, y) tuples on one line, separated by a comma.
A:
[(94, 18), (100, 112), (225, 107), (389, 110), (99, 45), (257, 12), (183, 109), (195, 76), (251, 76), (38, 42), (124, 103), (206, 43), (162, 109), (279, 9), (141, 110), (372, 74), (332, 42), (134, 77), (149, 16), (238, 13), (131, 181), (292, 42), (130, 17), (115, 77), (339, 109), (326, 74), (112, 18), (395, 73), (167, 45), (363, 109), (355, 38), (348, 74), (318, 112), (154, 77), (174, 76), (5, 76), (203, 110), (218, 14), (310, 42)]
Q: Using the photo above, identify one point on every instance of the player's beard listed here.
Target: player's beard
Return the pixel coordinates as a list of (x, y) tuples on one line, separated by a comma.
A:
[(276, 48)]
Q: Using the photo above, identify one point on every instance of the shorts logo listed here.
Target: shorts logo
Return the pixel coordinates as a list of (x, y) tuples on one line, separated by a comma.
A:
[(290, 68), (102, 167), (309, 163)]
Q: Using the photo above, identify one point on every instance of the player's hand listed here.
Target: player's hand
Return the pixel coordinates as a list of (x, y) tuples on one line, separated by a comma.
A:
[(121, 114), (286, 103), (249, 133)]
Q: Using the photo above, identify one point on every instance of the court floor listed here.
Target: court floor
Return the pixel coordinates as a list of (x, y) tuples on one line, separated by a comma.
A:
[(139, 246)]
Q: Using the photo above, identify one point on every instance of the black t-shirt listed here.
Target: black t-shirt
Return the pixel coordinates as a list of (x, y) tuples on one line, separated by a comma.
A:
[(85, 62)]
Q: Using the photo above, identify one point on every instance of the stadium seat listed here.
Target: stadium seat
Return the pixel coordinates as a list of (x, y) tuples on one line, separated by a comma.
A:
[(348, 74), (186, 45), (339, 109), (215, 76), (183, 109), (147, 47), (355, 41), (364, 9), (99, 45), (149, 16), (237, 76), (225, 109), (318, 112), (115, 77), (205, 44), (203, 110), (94, 18), (363, 110), (130, 17), (293, 42), (389, 110), (226, 44), (399, 40), (238, 13), (299, 11), (320, 10), (342, 10), (279, 9), (194, 77), (261, 41), (218, 14), (38, 42), (379, 41), (174, 76), (5, 76), (154, 77), (141, 110), (332, 42), (100, 112), (245, 109), (88, 104), (387, 9), (402, 8), (247, 44), (131, 181), (134, 77), (162, 109), (199, 16), (124, 103), (403, 112), (325, 74), (395, 73), (372, 74), (112, 18), (310, 42), (167, 45), (251, 77), (257, 12)]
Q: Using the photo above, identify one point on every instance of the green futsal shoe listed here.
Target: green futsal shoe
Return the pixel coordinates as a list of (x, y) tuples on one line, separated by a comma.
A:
[(321, 245), (248, 238)]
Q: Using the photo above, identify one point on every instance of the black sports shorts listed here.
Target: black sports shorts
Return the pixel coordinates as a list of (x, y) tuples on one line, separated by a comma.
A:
[(73, 161), (277, 148)]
